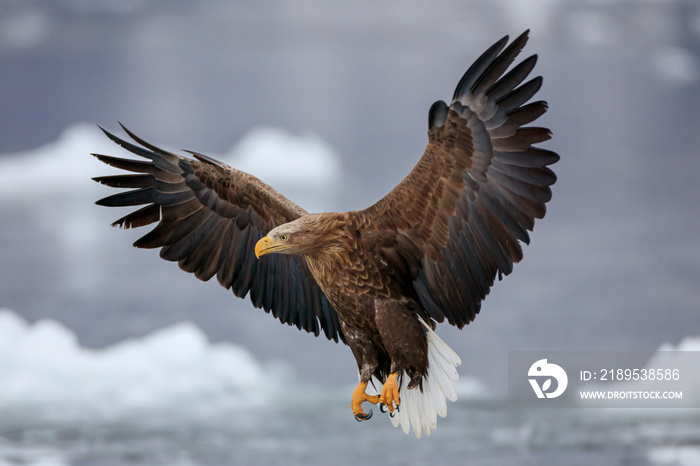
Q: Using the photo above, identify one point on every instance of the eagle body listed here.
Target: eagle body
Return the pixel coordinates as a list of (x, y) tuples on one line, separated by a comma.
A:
[(369, 297), (378, 279)]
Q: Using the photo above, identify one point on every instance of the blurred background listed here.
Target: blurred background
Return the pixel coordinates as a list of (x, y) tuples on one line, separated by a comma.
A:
[(328, 103)]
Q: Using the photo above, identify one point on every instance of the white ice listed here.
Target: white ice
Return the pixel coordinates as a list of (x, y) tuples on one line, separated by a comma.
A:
[(668, 357), (300, 166), (674, 456), (45, 371)]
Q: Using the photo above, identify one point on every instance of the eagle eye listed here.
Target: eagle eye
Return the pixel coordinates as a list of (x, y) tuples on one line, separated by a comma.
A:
[(284, 237)]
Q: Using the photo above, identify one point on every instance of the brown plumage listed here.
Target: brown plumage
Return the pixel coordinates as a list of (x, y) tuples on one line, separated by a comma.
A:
[(428, 251)]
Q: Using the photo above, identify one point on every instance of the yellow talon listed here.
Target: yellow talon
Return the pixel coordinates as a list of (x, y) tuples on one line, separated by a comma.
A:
[(390, 393), (358, 397)]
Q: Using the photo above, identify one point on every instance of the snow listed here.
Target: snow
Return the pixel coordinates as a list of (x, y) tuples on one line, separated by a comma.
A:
[(25, 29), (45, 371), (686, 344), (300, 166), (675, 65), (59, 168), (675, 456), (682, 358), (592, 28), (472, 388), (285, 159), (536, 14)]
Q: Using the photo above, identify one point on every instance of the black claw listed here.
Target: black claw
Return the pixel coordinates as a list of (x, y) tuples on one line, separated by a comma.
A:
[(383, 408), (363, 417), (397, 409)]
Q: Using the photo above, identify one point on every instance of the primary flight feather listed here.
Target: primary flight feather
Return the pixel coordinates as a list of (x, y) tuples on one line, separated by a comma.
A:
[(377, 279)]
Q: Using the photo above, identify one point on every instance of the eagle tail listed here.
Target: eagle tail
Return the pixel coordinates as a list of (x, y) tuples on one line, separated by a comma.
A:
[(420, 408)]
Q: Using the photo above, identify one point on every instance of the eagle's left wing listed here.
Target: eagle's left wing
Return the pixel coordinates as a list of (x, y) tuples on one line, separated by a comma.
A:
[(456, 219)]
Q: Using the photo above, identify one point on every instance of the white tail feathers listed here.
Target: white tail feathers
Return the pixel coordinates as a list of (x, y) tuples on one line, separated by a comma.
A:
[(419, 409)]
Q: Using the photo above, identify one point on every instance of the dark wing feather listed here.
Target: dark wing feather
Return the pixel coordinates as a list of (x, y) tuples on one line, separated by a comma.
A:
[(476, 191), (209, 218)]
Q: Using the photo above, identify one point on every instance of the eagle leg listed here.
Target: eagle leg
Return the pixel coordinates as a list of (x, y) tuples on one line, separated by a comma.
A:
[(358, 397), (390, 394)]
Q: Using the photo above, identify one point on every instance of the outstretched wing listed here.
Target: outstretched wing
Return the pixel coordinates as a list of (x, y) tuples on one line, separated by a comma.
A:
[(458, 216), (209, 218)]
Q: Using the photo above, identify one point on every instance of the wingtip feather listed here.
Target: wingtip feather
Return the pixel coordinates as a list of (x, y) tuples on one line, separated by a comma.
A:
[(204, 158)]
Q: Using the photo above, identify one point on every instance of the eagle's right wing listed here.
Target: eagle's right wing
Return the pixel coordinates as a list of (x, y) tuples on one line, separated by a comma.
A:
[(209, 218)]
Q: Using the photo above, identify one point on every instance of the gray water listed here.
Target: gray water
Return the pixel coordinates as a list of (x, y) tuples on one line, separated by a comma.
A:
[(473, 433)]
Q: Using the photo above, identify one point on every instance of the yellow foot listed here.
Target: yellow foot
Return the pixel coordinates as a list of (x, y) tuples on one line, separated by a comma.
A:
[(390, 393), (358, 397)]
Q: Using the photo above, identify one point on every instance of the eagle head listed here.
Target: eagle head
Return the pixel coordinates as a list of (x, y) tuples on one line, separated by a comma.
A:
[(307, 235)]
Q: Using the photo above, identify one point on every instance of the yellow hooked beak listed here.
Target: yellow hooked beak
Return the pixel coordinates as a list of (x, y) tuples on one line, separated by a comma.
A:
[(266, 245)]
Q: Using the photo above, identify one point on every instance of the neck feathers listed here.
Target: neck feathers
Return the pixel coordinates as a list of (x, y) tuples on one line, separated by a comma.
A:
[(328, 236)]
